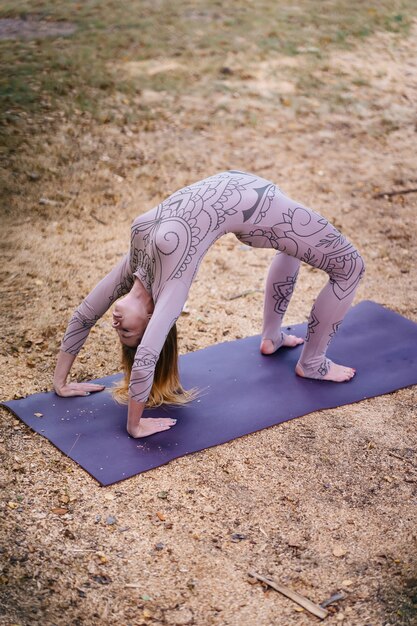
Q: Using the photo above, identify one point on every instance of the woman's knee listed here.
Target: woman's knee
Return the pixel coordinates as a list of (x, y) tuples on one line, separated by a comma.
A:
[(346, 273)]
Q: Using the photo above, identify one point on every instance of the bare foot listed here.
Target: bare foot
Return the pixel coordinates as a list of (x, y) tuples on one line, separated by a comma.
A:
[(149, 426), (336, 373), (288, 341)]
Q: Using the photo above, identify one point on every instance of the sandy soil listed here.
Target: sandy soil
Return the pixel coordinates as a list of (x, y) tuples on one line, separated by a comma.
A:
[(327, 502)]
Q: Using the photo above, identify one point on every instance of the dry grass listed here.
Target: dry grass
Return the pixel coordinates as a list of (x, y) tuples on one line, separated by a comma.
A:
[(336, 479)]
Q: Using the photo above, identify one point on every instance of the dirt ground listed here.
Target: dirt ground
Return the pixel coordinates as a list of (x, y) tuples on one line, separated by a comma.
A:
[(327, 502)]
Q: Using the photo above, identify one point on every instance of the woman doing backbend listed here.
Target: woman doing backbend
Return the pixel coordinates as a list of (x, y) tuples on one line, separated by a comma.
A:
[(167, 246)]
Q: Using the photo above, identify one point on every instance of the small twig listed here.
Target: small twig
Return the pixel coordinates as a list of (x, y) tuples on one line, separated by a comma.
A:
[(401, 458), (389, 194), (315, 609), (98, 219), (244, 293), (133, 586), (336, 597), (83, 550)]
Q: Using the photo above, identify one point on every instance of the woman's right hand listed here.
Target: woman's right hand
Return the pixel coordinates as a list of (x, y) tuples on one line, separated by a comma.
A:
[(64, 389), (67, 390)]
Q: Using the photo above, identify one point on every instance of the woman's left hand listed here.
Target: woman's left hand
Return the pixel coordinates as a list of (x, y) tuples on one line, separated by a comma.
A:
[(68, 390)]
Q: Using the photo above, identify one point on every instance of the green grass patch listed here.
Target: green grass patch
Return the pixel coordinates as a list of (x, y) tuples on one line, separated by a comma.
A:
[(82, 70)]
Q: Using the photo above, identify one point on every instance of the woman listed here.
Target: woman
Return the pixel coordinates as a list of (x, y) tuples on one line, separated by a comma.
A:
[(167, 246)]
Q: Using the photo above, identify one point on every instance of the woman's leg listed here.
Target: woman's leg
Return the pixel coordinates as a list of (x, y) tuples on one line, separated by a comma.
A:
[(306, 235), (325, 318), (280, 284)]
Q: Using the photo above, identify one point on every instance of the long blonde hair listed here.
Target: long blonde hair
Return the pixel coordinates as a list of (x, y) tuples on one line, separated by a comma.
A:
[(166, 387)]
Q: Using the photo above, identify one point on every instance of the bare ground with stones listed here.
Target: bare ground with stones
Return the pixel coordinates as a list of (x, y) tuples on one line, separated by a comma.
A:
[(338, 482)]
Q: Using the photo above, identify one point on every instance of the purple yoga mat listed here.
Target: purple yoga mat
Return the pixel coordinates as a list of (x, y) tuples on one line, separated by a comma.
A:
[(241, 392)]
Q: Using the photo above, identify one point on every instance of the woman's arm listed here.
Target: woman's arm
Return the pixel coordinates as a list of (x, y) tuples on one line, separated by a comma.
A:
[(115, 284), (112, 286), (167, 309), (64, 389), (137, 427)]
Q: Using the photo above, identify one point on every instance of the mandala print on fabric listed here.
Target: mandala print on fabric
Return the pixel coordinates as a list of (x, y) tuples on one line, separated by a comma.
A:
[(345, 271), (335, 328), (324, 367), (312, 323), (123, 287), (332, 240), (142, 262), (303, 222), (310, 258), (142, 373), (77, 331), (185, 225), (231, 196), (283, 292), (260, 238), (267, 202), (327, 249), (263, 202)]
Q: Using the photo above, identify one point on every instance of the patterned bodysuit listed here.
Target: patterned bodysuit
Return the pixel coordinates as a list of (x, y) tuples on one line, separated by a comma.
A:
[(169, 242)]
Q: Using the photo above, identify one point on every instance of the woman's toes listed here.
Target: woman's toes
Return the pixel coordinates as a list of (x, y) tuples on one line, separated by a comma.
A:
[(290, 341), (349, 372)]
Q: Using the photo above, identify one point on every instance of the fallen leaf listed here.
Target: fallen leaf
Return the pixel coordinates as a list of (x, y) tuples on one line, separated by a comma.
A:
[(12, 505), (339, 551), (59, 511), (347, 583), (160, 516)]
